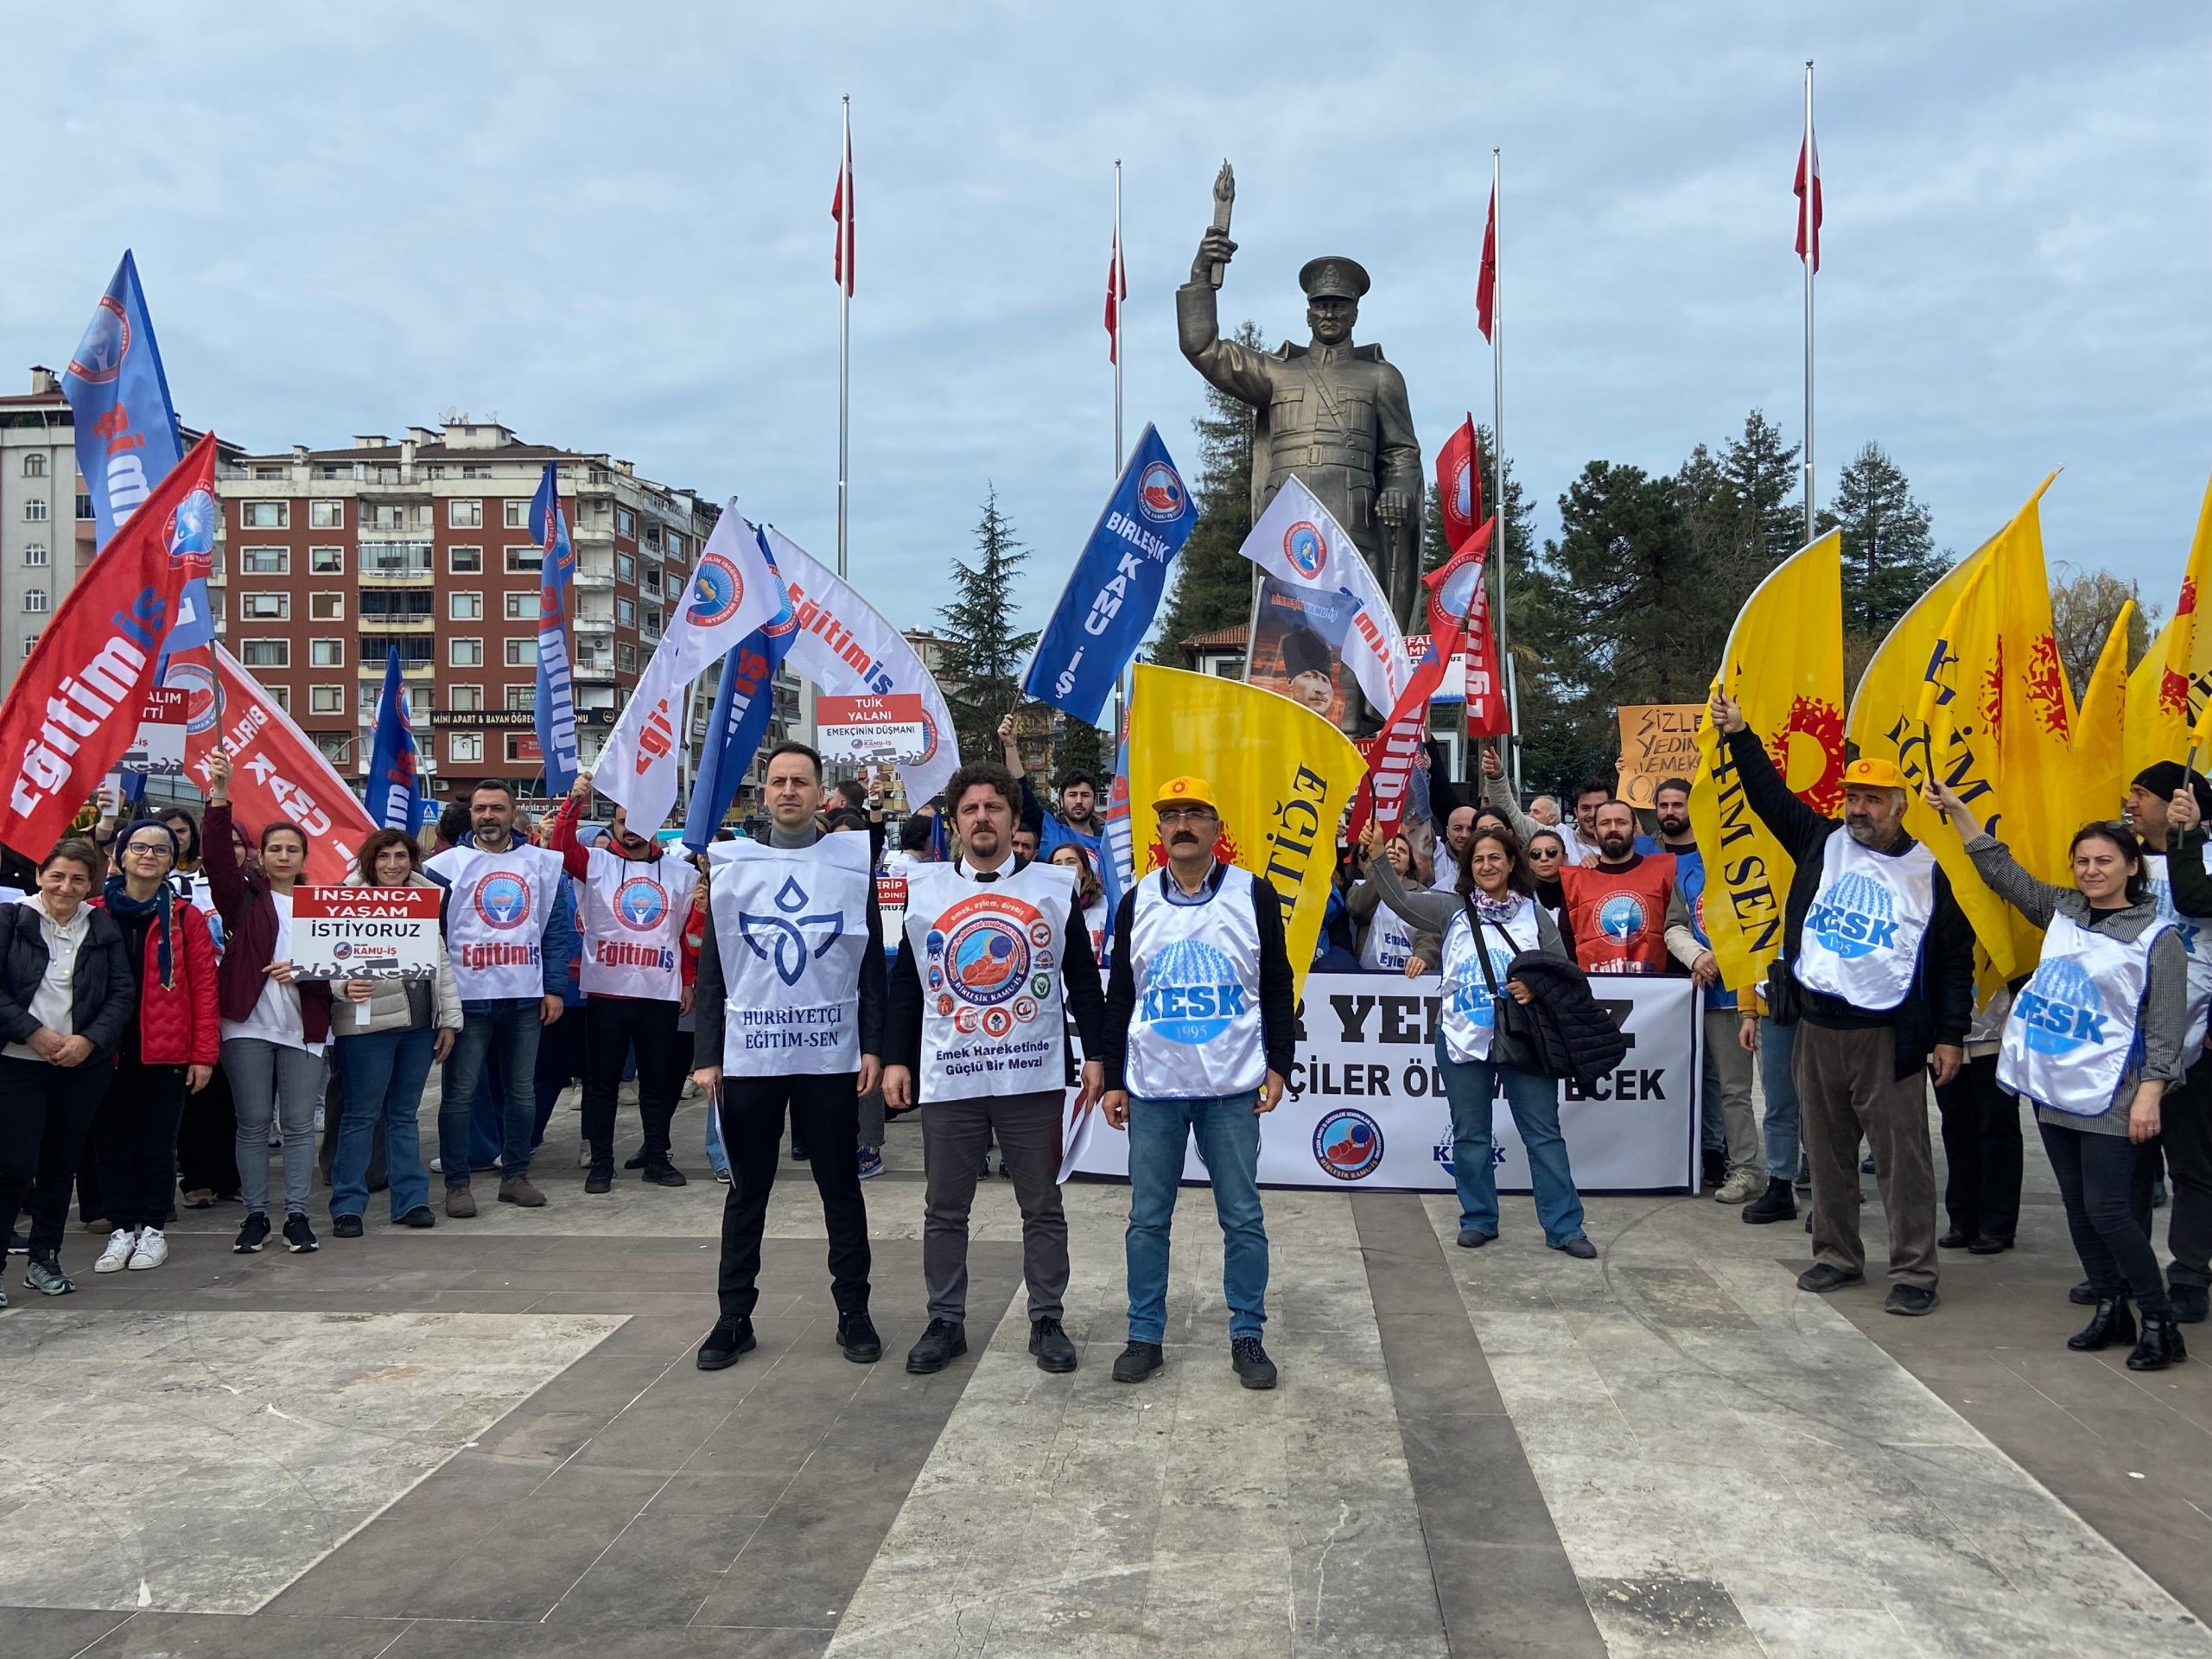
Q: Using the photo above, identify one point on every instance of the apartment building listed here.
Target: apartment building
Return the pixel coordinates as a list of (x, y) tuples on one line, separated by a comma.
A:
[(46, 518)]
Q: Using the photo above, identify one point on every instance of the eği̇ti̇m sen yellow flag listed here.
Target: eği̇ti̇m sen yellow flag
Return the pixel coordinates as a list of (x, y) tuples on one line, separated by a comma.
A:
[(1281, 775), (2185, 656), (2100, 771)]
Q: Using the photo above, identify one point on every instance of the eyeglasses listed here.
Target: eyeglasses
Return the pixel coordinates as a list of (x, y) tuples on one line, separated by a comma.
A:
[(1185, 814), (148, 850)]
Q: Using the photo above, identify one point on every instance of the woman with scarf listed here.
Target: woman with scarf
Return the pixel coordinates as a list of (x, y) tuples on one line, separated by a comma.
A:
[(167, 1051), (1090, 896)]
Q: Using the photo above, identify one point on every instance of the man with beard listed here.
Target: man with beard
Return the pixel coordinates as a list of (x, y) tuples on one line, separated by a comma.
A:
[(1732, 1124), (1877, 968), (1615, 916)]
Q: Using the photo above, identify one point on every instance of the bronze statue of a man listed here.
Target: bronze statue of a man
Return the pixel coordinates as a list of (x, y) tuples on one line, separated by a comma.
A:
[(1333, 415)]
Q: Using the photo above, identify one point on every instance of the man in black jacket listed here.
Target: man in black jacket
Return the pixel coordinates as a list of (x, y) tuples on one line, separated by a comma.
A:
[(1876, 966)]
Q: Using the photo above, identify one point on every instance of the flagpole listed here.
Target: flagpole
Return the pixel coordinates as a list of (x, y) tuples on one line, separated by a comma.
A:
[(1116, 279), (845, 333), (1501, 542), (1810, 225)]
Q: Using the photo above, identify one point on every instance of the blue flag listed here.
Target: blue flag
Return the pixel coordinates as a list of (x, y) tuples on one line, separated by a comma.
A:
[(394, 796), (742, 704), (556, 702), (1113, 591)]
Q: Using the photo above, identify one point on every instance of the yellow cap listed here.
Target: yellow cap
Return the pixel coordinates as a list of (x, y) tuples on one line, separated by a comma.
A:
[(1872, 773), (1186, 791)]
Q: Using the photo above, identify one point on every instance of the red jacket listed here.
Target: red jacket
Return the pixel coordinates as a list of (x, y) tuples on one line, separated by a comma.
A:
[(178, 1024)]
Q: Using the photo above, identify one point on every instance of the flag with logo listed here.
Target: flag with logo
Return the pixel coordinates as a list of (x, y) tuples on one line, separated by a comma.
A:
[(2034, 723), (1459, 485), (2099, 744), (743, 703), (1320, 605), (732, 592), (1783, 666), (2185, 656), (394, 795), (76, 705), (1281, 774), (1113, 593), (556, 703), (2147, 731), (1455, 604)]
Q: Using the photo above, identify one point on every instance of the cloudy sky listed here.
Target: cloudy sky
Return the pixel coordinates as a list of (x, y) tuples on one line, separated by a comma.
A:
[(610, 229)]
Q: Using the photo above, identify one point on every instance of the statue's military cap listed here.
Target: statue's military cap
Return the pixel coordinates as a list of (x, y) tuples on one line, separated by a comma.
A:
[(1333, 276)]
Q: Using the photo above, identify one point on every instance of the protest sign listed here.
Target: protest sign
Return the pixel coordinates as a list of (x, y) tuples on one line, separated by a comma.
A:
[(870, 728), (1658, 741), (158, 744), (355, 932)]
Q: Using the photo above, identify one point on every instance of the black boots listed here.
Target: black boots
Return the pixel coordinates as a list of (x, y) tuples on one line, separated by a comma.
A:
[(2113, 1321), (2161, 1344), (1778, 1203)]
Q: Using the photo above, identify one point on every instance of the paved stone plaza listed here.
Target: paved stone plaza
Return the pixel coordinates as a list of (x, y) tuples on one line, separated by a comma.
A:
[(490, 1439)]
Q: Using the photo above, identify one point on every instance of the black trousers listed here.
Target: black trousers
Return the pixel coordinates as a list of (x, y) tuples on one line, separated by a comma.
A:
[(2098, 1177), (825, 1115), (46, 1116), (2185, 1116), (134, 1143), (612, 1027), (1983, 1151), (206, 1140)]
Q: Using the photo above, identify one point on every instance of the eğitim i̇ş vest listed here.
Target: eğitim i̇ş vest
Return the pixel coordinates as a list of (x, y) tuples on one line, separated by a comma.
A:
[(989, 957), (1195, 1033), (1618, 918), (633, 918), (790, 927), (497, 904)]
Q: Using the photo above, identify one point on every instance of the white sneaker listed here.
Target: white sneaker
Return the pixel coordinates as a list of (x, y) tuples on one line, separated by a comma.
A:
[(153, 1249), (117, 1256), (437, 1165), (1741, 1186)]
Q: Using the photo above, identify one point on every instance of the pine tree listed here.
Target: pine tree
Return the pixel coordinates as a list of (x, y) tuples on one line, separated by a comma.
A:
[(1213, 580), (982, 655), (1079, 747), (1889, 555), (1761, 473)]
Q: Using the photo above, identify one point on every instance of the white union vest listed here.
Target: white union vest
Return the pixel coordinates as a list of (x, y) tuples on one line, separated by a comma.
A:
[(2072, 1030), (989, 955), (497, 906), (1862, 935), (1388, 945), (791, 926), (632, 918), (1468, 1014), (2195, 942), (1195, 1033)]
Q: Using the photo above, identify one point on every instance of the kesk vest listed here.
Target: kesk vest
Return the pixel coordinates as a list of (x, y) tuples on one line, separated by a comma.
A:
[(1619, 916), (633, 918), (1389, 944), (1861, 943), (989, 955), (2072, 1030), (2193, 940), (1195, 1033), (1469, 1014), (497, 904), (790, 927)]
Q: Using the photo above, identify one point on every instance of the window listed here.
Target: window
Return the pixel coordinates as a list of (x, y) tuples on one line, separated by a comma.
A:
[(337, 746), (433, 473), (264, 561), (522, 696), (386, 516), (30, 643), (675, 547), (463, 561), (464, 746), (465, 699), (35, 599), (475, 472), (327, 515), (34, 553), (269, 471), (327, 561), (398, 605), (326, 608), (265, 515), (626, 522), (521, 748), (626, 568), (652, 581), (417, 651), (522, 651), (465, 515), (34, 466), (464, 653), (517, 515), (281, 696), (625, 658), (35, 509), (326, 653), (265, 653), (464, 606), (652, 538), (522, 606), (625, 613), (332, 470), (326, 699), (526, 561), (265, 607), (396, 559)]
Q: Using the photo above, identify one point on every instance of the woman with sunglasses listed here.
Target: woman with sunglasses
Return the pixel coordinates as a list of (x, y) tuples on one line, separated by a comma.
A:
[(167, 1052), (1547, 856)]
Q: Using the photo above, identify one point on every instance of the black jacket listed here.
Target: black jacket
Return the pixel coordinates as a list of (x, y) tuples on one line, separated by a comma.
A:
[(1939, 1007), (1577, 1037), (103, 992)]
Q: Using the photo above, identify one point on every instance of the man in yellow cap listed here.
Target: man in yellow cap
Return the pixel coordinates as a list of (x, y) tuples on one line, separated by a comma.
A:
[(1876, 972), (1201, 1017)]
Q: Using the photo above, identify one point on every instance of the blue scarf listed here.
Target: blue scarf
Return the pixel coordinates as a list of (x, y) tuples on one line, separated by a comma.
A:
[(116, 896)]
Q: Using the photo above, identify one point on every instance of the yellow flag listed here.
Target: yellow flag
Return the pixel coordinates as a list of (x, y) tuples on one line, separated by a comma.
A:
[(1885, 719), (2149, 734), (2100, 771), (2186, 661), (1784, 666), (2035, 722), (1283, 777)]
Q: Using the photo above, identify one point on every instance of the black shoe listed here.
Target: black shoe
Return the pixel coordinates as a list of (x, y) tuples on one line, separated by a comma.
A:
[(2082, 1295), (663, 1174), (1473, 1239), (1713, 1167), (1821, 1276), (600, 1180), (1988, 1244), (856, 1336), (2113, 1321), (1778, 1203), (1254, 1369), (1910, 1300), (299, 1238), (1957, 1239), (345, 1226), (729, 1338), (17, 1244), (798, 1150), (43, 1273), (1137, 1362), (252, 1236), (1055, 1353), (2161, 1344), (2189, 1303), (420, 1216), (1580, 1247), (638, 1162), (942, 1344)]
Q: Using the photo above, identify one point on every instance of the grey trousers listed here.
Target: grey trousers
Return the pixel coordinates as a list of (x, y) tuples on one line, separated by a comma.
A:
[(272, 1079), (954, 1133), (1728, 1090), (1846, 1090)]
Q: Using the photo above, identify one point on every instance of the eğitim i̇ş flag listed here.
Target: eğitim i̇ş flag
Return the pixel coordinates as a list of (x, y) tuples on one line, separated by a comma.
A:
[(555, 703), (1459, 485)]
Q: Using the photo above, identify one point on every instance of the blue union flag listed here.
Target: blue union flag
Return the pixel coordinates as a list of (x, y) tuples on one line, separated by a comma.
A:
[(556, 702)]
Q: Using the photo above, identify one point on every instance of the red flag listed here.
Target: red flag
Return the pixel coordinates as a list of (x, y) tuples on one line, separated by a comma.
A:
[(1798, 190), (1459, 485), (1117, 289), (1455, 602), (76, 704), (1486, 283), (841, 209)]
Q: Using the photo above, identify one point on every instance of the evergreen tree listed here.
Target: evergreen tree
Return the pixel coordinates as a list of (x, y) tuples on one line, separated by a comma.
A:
[(1889, 555), (1213, 580), (1080, 746), (983, 656), (1762, 476)]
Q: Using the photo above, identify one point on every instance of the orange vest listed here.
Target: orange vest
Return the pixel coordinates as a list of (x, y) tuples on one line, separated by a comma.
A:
[(1618, 918)]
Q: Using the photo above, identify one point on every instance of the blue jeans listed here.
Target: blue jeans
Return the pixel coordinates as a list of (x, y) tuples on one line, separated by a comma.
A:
[(384, 1073), (1777, 1044), (506, 1026), (1228, 1140), (1471, 1087)]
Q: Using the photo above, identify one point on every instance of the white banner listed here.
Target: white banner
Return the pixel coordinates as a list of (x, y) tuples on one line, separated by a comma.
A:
[(1366, 1105), (1297, 543)]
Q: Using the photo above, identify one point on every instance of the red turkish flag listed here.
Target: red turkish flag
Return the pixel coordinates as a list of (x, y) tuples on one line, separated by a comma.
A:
[(1459, 485), (841, 209), (1486, 283), (1117, 289), (1798, 190)]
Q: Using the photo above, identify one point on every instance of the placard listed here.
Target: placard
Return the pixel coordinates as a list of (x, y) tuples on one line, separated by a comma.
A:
[(870, 728), (1658, 741), (890, 901), (158, 747), (352, 932)]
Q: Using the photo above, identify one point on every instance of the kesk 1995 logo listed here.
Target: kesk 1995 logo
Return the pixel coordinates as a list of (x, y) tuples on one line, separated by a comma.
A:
[(503, 899), (1854, 917), (2062, 1008), (1348, 1144), (1191, 993)]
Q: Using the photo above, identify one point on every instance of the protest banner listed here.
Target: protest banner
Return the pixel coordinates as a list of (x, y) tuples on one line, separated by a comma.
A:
[(869, 729), (1319, 607), (1658, 741), (357, 932)]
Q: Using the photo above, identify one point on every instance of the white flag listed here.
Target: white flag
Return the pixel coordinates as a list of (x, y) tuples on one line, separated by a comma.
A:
[(1297, 543), (841, 643), (731, 593)]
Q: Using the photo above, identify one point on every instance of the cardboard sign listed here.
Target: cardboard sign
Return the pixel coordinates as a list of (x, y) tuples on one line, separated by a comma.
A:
[(870, 728), (353, 932), (158, 744), (1658, 741)]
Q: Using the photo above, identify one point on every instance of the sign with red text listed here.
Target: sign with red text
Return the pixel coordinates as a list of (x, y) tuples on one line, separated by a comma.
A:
[(355, 932), (870, 729), (158, 744)]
